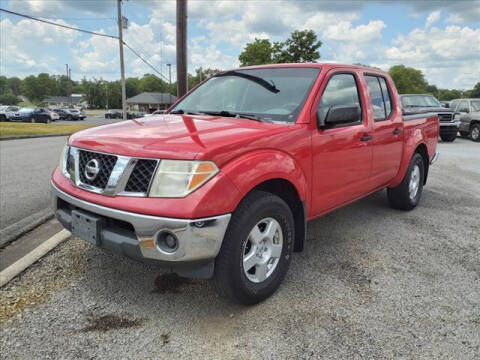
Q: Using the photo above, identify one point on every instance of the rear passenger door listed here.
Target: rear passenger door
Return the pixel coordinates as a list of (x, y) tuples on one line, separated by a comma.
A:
[(387, 131)]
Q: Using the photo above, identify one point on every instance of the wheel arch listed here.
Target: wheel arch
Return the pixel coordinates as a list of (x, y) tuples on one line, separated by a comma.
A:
[(285, 190), (423, 151)]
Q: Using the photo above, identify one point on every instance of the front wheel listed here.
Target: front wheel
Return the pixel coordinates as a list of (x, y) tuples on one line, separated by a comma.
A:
[(257, 249), (475, 132), (448, 137), (406, 196)]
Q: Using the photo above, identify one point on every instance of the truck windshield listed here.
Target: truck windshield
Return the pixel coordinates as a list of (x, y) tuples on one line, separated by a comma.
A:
[(275, 94), (420, 101)]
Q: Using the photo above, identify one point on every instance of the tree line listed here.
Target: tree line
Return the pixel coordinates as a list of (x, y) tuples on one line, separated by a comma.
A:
[(301, 46)]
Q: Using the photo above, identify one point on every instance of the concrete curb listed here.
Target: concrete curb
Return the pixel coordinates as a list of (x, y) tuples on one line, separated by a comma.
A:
[(31, 137), (33, 256), (16, 230)]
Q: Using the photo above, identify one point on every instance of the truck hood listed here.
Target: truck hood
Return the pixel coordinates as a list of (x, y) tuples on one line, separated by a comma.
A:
[(178, 137)]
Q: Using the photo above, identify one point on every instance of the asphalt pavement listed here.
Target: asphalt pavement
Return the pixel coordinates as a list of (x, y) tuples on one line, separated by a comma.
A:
[(26, 166), (372, 283)]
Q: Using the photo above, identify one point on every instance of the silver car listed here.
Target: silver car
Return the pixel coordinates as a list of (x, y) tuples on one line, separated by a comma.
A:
[(468, 112)]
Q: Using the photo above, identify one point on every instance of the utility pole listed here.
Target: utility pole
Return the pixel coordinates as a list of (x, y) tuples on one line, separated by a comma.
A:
[(181, 47), (169, 84), (122, 64)]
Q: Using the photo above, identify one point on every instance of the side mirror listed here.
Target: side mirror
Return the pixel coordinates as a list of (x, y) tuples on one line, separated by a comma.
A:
[(339, 115)]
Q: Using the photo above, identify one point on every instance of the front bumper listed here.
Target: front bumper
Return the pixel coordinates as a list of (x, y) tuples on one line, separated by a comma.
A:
[(447, 127), (136, 235)]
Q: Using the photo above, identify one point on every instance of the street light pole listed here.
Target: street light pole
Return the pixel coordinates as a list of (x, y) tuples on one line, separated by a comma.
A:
[(169, 84), (122, 64)]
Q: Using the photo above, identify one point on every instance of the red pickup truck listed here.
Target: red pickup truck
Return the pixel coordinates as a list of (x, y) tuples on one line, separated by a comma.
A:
[(223, 184)]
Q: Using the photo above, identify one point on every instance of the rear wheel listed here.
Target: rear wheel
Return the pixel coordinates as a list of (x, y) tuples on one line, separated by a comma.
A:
[(256, 250), (448, 137), (475, 132), (406, 196)]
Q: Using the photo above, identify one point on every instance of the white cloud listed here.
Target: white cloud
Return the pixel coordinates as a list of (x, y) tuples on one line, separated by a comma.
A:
[(433, 18), (448, 57), (27, 46)]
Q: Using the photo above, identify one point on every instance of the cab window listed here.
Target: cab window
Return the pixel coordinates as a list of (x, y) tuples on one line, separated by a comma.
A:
[(341, 90)]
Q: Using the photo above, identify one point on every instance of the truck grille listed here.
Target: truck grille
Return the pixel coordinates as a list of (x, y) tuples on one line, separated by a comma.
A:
[(445, 117), (139, 180), (106, 164)]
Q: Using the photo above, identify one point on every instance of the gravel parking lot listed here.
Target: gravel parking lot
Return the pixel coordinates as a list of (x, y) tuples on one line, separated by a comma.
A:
[(372, 283)]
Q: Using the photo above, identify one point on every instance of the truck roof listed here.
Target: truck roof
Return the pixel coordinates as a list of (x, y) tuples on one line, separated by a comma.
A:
[(313, 65)]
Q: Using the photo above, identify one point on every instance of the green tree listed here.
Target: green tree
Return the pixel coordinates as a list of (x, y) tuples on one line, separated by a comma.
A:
[(257, 52), (200, 75), (132, 87), (302, 46), (408, 80), (446, 94), (9, 99), (152, 83), (3, 85), (14, 84), (475, 92)]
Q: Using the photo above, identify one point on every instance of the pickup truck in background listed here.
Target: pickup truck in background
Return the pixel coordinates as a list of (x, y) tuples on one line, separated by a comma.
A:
[(223, 184), (467, 111), (417, 103)]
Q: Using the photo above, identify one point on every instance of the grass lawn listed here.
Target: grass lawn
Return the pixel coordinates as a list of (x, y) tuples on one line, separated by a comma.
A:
[(8, 129), (96, 112)]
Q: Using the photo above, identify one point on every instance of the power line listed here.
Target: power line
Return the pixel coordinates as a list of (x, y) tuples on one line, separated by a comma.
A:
[(145, 61), (88, 32), (60, 25)]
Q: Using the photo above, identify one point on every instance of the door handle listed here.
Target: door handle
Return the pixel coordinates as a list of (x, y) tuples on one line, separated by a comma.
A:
[(366, 137), (397, 131)]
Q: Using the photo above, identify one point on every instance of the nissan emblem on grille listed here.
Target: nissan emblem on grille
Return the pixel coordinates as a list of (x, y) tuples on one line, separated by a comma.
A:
[(92, 168)]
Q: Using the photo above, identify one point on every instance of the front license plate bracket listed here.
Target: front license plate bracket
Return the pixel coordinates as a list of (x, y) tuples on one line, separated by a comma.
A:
[(87, 226)]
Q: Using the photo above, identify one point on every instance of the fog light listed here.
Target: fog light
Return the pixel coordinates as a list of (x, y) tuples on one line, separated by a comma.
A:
[(167, 241)]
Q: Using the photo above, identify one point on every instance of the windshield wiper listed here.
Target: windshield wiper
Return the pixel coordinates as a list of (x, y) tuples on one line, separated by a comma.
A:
[(234, 114), (256, 79), (181, 111)]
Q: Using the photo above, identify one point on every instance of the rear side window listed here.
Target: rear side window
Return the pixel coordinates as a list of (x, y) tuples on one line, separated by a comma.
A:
[(386, 96), (380, 97), (341, 90)]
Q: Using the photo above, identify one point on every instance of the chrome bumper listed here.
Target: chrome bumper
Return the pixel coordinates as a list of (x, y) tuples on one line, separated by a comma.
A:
[(198, 239), (450, 124)]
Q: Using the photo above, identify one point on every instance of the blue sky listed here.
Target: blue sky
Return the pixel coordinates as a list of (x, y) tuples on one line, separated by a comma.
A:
[(442, 38)]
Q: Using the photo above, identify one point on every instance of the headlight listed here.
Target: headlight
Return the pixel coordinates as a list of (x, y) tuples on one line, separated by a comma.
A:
[(62, 163), (178, 178)]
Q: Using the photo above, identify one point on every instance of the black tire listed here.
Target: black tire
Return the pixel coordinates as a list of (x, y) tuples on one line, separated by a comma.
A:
[(448, 137), (33, 120), (48, 120), (464, 134), (399, 196), (229, 277), (475, 132), (69, 118), (3, 118)]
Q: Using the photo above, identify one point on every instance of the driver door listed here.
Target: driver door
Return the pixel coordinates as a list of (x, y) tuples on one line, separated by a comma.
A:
[(341, 155)]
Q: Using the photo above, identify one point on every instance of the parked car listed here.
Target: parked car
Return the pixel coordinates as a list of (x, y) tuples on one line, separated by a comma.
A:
[(156, 112), (62, 114), (415, 103), (32, 115), (113, 114), (75, 114), (7, 111), (53, 115), (468, 112), (223, 186)]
